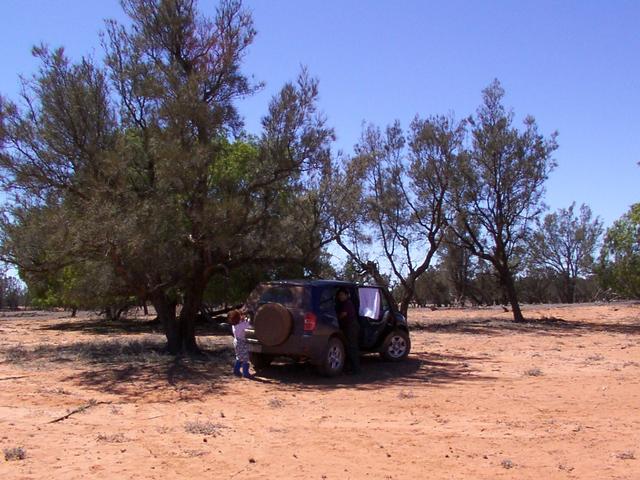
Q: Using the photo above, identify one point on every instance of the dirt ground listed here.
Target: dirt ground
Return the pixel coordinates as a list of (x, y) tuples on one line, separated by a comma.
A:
[(479, 397)]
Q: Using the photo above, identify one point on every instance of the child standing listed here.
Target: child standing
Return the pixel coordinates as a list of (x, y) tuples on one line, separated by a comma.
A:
[(240, 322)]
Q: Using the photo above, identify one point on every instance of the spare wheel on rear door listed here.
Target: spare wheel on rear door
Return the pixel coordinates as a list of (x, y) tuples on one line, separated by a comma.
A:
[(272, 324)]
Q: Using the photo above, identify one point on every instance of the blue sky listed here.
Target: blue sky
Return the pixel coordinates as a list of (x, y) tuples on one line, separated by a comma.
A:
[(573, 65)]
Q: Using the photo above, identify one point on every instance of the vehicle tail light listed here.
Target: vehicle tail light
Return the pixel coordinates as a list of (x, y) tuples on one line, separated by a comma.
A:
[(310, 321)]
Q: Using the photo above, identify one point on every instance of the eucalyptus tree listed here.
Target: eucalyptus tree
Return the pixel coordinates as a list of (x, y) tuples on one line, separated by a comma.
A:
[(501, 189)]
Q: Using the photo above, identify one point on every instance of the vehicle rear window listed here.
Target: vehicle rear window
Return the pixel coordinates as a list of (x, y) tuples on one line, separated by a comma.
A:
[(282, 295), (287, 295)]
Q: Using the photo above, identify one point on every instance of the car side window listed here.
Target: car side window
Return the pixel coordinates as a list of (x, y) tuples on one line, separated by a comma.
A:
[(369, 302), (384, 303), (327, 302)]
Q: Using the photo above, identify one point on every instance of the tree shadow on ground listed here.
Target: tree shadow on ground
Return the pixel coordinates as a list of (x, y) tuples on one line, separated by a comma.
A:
[(102, 326), (171, 380), (544, 326), (131, 369), (419, 369)]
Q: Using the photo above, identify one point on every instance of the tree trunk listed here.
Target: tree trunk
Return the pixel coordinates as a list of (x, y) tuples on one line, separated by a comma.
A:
[(512, 295), (404, 303), (166, 310), (570, 290), (190, 308)]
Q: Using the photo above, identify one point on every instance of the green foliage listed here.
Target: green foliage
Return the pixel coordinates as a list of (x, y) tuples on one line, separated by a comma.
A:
[(87, 285), (619, 265), (433, 287)]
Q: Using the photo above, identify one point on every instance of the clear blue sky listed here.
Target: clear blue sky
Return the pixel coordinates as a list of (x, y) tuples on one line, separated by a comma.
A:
[(574, 65)]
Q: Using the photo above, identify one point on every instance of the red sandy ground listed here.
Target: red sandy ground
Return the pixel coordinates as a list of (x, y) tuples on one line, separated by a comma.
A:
[(479, 397)]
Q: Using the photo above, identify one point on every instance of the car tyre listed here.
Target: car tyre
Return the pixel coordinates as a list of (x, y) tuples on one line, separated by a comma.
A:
[(396, 346), (334, 358)]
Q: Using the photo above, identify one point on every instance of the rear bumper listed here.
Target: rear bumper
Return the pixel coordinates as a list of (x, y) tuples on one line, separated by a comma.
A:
[(310, 347)]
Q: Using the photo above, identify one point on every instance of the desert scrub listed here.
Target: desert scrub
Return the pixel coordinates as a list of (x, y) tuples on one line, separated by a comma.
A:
[(203, 428), (594, 358), (405, 394), (276, 403), (507, 463), (114, 438), (628, 455), (14, 453), (533, 372)]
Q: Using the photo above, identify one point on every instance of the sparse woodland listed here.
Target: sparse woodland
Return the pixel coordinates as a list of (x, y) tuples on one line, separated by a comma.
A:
[(132, 180)]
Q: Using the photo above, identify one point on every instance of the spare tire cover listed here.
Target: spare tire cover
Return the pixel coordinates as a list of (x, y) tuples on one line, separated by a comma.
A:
[(272, 324)]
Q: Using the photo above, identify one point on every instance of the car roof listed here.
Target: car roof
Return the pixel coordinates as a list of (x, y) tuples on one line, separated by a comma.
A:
[(318, 283)]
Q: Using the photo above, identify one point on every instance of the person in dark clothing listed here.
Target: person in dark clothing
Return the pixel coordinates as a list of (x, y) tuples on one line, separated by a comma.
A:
[(348, 318)]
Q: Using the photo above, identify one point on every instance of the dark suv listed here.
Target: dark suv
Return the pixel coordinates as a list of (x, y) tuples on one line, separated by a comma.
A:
[(297, 319)]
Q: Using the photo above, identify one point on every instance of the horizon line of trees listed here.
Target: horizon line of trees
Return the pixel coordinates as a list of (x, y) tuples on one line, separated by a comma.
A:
[(132, 180)]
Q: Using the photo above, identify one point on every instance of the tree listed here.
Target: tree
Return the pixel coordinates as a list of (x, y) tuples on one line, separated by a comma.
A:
[(142, 164), (403, 185), (460, 268), (433, 287), (12, 292), (565, 243), (619, 263), (501, 188)]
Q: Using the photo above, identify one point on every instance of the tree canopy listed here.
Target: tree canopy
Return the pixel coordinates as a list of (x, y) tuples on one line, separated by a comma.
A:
[(619, 264), (141, 164)]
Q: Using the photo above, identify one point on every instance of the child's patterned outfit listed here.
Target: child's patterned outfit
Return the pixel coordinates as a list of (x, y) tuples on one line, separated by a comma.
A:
[(242, 350)]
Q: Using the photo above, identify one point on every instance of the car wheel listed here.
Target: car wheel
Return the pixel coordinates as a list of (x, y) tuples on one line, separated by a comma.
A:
[(397, 346), (334, 358), (260, 361)]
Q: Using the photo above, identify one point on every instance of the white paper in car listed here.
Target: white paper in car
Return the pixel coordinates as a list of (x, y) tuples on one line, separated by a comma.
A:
[(369, 302)]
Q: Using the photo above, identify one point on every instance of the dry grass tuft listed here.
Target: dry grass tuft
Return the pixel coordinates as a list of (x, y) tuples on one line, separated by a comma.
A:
[(276, 403), (406, 394), (203, 428), (195, 453), (627, 455), (14, 453), (506, 463), (594, 358), (115, 438)]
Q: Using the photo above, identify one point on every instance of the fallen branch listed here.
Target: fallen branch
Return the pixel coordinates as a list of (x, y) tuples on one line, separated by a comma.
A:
[(92, 403), (13, 378), (212, 314), (238, 472), (157, 416)]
